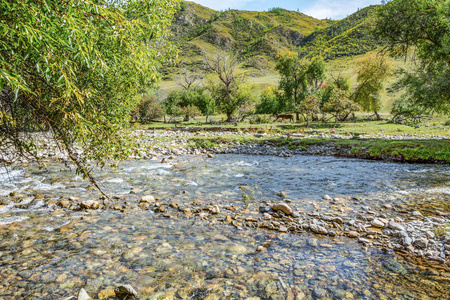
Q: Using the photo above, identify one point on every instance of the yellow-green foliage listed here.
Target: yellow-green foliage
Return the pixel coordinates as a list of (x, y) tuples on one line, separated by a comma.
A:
[(350, 36), (248, 32)]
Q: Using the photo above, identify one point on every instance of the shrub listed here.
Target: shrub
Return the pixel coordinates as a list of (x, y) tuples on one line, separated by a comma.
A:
[(148, 109)]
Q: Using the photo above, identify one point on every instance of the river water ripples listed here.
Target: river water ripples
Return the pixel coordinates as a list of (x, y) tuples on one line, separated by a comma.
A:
[(50, 253)]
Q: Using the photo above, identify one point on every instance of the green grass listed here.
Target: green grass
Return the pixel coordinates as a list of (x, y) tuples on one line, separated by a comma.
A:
[(412, 151)]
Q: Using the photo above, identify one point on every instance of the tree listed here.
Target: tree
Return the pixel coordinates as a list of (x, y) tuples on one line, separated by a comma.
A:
[(193, 102), (171, 105), (372, 71), (340, 105), (309, 107), (205, 102), (148, 108), (76, 68), (228, 92), (297, 75), (268, 101), (422, 26)]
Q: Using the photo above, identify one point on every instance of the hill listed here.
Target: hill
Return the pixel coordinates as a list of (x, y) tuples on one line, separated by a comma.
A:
[(257, 36), (347, 37)]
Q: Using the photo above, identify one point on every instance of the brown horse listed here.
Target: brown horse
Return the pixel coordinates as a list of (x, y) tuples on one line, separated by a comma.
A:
[(284, 116)]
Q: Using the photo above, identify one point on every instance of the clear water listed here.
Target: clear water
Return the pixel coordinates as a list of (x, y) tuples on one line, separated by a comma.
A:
[(51, 254)]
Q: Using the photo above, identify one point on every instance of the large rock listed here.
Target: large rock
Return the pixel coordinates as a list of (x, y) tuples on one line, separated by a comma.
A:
[(283, 207), (125, 292), (318, 229)]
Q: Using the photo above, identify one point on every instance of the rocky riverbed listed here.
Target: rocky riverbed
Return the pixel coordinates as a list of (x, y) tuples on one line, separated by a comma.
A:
[(238, 221), (154, 143)]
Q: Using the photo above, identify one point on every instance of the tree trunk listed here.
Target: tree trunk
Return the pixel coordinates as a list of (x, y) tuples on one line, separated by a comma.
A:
[(186, 118), (378, 116), (229, 116), (297, 116)]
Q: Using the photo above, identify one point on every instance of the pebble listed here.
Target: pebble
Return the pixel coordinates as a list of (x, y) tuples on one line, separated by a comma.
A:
[(125, 292), (90, 204), (82, 295), (353, 234), (215, 210), (283, 207), (421, 243), (396, 226), (416, 213), (377, 223), (318, 229), (148, 199)]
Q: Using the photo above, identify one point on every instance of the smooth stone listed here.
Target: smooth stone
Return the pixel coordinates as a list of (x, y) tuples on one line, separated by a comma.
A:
[(238, 249), (313, 242), (261, 249), (318, 229), (396, 226), (148, 199), (89, 204), (264, 209), (282, 229), (363, 241), (377, 223), (416, 213), (82, 295), (283, 207), (338, 220), (125, 291), (353, 234), (215, 210)]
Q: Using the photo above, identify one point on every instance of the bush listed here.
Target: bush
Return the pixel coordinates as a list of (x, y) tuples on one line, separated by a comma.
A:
[(261, 120), (148, 109)]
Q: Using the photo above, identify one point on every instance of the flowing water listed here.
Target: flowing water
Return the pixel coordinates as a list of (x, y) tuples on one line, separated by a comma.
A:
[(50, 253)]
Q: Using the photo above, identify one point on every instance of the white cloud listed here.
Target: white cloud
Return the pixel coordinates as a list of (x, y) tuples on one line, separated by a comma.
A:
[(321, 9), (224, 4)]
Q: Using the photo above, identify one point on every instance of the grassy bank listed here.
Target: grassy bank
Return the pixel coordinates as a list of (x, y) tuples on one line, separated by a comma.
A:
[(411, 151)]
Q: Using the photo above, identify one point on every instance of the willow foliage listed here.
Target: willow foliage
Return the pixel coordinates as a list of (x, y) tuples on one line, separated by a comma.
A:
[(73, 68)]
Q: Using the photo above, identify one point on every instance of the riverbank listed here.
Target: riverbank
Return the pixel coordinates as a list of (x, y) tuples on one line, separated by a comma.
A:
[(153, 143)]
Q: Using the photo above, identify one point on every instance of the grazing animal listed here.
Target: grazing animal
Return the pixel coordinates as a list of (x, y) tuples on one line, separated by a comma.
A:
[(282, 117)]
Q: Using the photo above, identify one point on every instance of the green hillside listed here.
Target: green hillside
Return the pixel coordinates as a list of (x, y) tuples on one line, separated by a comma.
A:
[(347, 37), (257, 36)]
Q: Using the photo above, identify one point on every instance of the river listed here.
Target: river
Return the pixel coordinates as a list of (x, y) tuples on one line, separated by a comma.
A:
[(50, 253)]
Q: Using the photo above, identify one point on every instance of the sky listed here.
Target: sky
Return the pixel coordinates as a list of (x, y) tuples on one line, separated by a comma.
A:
[(320, 9)]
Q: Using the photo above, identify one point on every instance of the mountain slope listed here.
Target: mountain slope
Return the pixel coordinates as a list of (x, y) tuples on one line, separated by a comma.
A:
[(259, 36), (347, 37), (197, 29)]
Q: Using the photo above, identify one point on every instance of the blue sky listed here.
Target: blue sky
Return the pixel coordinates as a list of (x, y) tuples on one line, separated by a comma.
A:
[(321, 9)]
